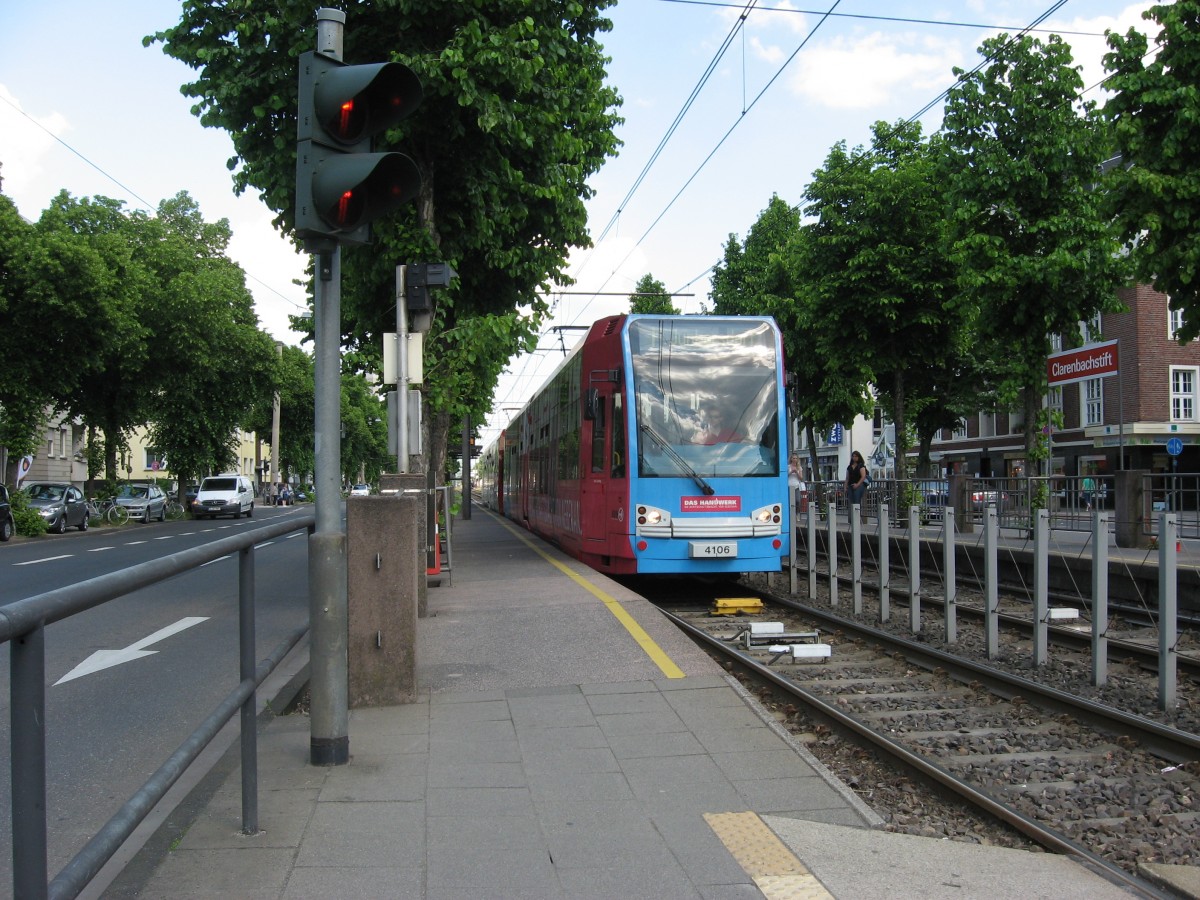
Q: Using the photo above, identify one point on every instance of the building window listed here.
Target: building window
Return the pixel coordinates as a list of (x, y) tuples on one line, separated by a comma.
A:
[(1174, 323), (1090, 330), (1054, 399), (960, 430), (1183, 394), (50, 447), (155, 461), (1056, 343), (1091, 395), (987, 424)]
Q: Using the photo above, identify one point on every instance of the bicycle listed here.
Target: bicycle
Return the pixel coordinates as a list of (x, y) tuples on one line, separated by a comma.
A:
[(107, 510), (173, 510)]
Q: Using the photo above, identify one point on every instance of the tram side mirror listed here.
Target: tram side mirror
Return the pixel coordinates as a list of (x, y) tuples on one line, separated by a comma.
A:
[(591, 404)]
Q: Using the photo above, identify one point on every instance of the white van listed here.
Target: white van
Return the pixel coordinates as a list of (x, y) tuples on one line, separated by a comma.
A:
[(224, 495)]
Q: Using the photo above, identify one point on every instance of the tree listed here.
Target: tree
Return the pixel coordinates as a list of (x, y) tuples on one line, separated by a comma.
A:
[(1154, 114), (113, 391), (877, 261), (210, 362), (766, 276), (294, 380), (1035, 254), (516, 118), (650, 296)]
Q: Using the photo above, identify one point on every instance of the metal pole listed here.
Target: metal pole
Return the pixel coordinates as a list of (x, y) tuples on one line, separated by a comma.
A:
[(914, 570), (950, 618), (855, 559), (792, 496), (1100, 522), (991, 581), (275, 430), (328, 613), (402, 375), (833, 585), (885, 563), (1167, 610), (1041, 579), (812, 550), (249, 711), (464, 509), (27, 695)]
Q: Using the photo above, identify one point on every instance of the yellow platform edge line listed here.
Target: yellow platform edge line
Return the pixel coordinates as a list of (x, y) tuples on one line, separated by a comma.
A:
[(776, 871), (647, 643)]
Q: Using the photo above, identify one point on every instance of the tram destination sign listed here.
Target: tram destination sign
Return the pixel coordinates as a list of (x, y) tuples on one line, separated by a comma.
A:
[(1082, 363)]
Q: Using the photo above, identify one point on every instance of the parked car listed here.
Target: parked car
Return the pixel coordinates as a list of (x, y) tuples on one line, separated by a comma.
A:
[(189, 495), (360, 490), (980, 499), (8, 527), (229, 494), (60, 503), (143, 501), (935, 496)]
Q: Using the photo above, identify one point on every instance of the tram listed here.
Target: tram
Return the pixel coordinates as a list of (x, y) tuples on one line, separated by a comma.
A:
[(656, 447)]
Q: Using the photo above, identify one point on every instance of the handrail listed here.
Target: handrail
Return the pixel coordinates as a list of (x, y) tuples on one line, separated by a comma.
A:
[(23, 624)]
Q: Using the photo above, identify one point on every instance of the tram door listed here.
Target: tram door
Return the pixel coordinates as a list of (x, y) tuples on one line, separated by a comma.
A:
[(593, 505)]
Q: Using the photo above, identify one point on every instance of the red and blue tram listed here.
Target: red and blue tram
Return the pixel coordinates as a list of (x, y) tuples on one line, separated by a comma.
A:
[(658, 446)]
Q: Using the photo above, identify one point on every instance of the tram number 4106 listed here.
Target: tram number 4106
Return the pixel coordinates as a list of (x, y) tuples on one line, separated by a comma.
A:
[(712, 549)]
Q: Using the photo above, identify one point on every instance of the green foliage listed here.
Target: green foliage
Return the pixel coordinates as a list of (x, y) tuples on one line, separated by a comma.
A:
[(27, 520), (516, 118), (877, 261), (650, 296), (1154, 116), (1035, 253)]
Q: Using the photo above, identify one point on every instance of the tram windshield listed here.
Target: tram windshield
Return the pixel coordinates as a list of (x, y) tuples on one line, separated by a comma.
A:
[(706, 399)]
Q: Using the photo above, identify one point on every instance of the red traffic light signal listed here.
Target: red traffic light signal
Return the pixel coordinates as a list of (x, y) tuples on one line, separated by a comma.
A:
[(340, 185)]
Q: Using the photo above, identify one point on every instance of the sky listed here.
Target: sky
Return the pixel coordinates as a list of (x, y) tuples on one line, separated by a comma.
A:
[(85, 108)]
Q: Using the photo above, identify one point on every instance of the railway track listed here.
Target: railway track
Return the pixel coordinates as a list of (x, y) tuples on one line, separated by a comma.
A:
[(1073, 774)]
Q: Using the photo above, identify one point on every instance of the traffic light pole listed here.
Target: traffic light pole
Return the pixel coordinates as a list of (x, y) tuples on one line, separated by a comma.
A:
[(402, 367), (329, 738)]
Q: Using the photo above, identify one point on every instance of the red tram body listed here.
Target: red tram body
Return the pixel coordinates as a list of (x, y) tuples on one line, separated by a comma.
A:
[(604, 463)]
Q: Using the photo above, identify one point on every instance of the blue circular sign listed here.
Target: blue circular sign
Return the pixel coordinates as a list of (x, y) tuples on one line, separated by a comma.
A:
[(1174, 446)]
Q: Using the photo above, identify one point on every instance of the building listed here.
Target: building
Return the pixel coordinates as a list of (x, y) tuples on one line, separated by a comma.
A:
[(1123, 421)]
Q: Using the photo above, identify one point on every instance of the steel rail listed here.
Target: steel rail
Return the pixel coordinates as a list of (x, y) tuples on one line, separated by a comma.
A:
[(1032, 829)]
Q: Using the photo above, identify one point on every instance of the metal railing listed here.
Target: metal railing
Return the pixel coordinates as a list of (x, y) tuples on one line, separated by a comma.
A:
[(23, 627), (1068, 500)]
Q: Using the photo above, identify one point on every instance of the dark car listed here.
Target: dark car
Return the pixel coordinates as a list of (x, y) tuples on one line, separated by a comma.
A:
[(143, 501), (189, 496), (60, 503), (7, 526)]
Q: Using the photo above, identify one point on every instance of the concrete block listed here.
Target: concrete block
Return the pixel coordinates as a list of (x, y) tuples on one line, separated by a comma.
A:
[(384, 562)]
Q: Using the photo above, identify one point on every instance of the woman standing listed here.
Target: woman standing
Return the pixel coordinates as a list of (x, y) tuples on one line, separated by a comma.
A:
[(856, 479)]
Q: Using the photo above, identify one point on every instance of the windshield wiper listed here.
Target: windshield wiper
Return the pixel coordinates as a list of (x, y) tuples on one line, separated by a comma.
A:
[(669, 451)]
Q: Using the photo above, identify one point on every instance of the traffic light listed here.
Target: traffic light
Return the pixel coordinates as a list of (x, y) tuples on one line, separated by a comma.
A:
[(341, 186)]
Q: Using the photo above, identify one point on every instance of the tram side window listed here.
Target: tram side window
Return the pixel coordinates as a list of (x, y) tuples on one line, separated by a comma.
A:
[(618, 439), (599, 432)]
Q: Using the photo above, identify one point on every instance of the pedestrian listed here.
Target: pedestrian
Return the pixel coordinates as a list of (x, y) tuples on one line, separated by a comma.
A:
[(796, 486), (271, 494), (1089, 489), (856, 479)]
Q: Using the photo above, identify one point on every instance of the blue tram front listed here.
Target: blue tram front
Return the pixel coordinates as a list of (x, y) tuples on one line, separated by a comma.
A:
[(687, 464)]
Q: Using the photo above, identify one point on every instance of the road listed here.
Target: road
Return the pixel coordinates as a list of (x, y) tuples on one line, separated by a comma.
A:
[(128, 681)]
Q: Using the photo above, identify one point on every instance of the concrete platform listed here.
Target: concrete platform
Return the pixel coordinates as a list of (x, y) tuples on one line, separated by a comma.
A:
[(568, 742)]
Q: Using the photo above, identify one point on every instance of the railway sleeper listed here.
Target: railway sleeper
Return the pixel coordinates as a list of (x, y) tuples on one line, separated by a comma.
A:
[(1095, 754)]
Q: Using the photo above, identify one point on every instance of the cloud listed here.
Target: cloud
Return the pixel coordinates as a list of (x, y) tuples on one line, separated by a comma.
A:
[(25, 141), (864, 71)]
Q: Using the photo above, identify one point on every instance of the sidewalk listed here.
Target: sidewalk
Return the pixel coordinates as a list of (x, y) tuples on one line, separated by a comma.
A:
[(553, 755)]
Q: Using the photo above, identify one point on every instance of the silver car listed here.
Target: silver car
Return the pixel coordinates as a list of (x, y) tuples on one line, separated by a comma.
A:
[(143, 501), (60, 503)]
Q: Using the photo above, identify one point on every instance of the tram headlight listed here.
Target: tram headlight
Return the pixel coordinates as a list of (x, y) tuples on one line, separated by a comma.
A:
[(650, 515), (768, 515)]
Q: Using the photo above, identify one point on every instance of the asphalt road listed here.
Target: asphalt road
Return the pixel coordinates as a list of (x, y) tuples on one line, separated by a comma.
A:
[(110, 726)]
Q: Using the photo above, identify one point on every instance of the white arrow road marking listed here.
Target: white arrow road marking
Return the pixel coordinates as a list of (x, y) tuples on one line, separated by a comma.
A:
[(103, 659)]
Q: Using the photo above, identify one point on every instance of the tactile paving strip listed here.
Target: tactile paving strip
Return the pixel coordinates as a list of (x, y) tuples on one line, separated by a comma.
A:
[(765, 858)]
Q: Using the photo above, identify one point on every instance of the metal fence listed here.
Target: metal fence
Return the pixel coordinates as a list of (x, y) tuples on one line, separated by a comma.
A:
[(1068, 500), (23, 627)]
